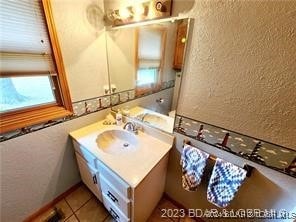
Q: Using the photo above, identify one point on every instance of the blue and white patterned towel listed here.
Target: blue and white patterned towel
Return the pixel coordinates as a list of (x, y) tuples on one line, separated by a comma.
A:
[(224, 183), (193, 162)]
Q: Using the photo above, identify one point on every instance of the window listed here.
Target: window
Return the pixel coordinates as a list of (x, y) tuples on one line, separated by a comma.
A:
[(147, 76), (149, 58), (33, 83), (20, 92)]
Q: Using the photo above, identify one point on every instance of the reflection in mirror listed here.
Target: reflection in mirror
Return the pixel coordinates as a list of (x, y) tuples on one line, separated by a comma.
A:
[(150, 44), (145, 68)]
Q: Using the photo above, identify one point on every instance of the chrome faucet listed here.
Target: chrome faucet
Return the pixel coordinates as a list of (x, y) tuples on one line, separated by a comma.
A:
[(132, 127), (143, 116)]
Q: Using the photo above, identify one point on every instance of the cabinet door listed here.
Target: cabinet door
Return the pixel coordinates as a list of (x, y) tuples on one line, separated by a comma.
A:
[(180, 45), (89, 176)]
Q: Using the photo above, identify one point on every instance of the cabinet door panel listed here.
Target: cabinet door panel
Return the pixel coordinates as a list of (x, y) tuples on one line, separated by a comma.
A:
[(89, 176), (90, 159)]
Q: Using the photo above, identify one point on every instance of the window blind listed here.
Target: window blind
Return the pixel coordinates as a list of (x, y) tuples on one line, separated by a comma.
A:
[(33, 86), (24, 42), (149, 48)]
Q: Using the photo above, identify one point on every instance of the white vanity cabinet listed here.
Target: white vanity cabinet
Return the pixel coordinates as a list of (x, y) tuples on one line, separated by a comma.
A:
[(88, 172), (129, 182), (89, 176), (124, 202)]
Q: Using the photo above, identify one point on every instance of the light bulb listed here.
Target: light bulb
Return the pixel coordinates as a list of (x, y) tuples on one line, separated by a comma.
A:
[(138, 9), (124, 13)]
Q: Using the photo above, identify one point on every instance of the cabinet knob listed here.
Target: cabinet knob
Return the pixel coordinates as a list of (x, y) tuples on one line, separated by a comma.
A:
[(183, 40)]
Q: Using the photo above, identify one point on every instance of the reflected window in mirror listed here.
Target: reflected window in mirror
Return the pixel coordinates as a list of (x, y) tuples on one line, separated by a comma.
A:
[(147, 76), (150, 45)]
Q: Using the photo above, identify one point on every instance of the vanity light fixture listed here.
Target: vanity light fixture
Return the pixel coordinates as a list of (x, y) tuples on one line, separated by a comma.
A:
[(124, 13), (140, 11), (148, 22)]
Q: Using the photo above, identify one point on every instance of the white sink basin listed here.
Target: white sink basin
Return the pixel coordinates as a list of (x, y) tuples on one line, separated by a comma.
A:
[(117, 141)]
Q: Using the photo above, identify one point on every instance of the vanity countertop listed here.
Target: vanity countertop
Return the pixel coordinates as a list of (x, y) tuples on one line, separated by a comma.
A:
[(131, 167), (165, 122)]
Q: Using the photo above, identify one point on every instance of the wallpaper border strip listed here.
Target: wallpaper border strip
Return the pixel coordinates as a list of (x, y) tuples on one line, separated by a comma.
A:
[(273, 156)]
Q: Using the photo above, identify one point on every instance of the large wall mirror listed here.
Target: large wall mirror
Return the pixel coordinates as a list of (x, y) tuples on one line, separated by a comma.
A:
[(145, 67)]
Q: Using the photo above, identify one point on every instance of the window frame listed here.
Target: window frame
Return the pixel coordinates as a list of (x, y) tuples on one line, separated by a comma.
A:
[(145, 89), (22, 118)]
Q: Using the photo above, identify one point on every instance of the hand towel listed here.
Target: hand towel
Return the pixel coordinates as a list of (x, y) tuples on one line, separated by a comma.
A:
[(224, 183), (193, 162)]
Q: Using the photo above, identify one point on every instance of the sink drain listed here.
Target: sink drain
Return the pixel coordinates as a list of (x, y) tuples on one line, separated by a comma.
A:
[(125, 145)]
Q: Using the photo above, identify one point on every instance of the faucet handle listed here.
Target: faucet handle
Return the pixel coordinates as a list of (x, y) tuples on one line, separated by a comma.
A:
[(132, 127), (128, 126), (160, 100), (138, 127)]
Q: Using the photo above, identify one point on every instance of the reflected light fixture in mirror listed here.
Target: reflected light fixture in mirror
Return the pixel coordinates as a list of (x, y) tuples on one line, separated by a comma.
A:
[(139, 11), (94, 17)]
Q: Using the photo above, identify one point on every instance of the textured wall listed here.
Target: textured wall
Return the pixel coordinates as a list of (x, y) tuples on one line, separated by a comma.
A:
[(80, 30), (241, 66), (240, 75), (37, 167)]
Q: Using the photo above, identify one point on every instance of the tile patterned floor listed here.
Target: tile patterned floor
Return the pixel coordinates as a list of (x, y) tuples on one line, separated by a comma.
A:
[(83, 206)]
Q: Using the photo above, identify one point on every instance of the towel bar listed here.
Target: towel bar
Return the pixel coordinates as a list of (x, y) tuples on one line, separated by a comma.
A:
[(247, 167)]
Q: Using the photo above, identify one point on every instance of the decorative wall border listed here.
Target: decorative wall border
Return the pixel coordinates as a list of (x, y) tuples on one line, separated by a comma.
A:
[(80, 108), (85, 107), (129, 95), (279, 158)]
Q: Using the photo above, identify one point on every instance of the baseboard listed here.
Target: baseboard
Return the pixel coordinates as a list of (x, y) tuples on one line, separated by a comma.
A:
[(52, 203), (179, 205)]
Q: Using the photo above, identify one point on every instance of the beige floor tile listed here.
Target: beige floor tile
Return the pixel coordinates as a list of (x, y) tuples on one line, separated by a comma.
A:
[(167, 208), (64, 208), (166, 204), (44, 216), (72, 219), (79, 197), (92, 211), (109, 219)]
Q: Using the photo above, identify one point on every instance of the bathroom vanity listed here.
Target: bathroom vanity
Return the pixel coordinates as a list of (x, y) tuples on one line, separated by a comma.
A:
[(125, 171)]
